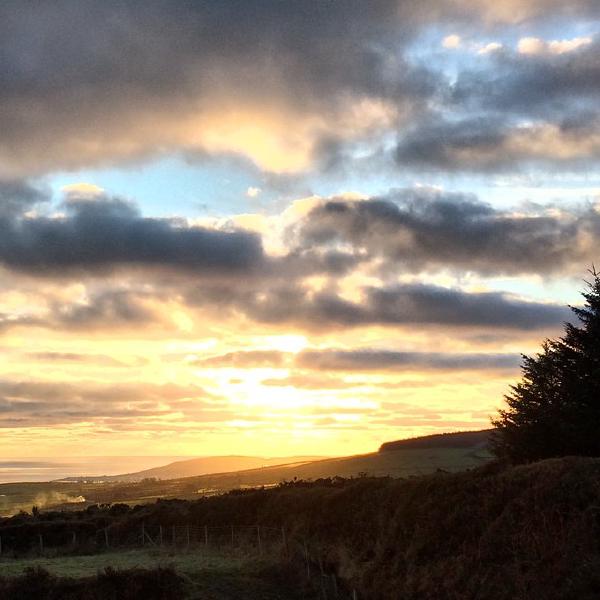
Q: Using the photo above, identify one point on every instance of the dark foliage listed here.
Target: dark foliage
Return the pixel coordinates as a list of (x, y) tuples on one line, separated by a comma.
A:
[(555, 409), (111, 584), (531, 531)]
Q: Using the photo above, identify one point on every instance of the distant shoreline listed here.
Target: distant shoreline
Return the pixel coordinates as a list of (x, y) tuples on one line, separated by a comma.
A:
[(28, 469)]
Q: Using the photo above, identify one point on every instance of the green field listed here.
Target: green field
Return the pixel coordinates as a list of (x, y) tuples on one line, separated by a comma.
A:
[(208, 574), (87, 565)]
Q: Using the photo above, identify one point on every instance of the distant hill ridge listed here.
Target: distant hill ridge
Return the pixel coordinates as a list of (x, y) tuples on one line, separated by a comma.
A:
[(201, 466), (449, 451), (459, 439)]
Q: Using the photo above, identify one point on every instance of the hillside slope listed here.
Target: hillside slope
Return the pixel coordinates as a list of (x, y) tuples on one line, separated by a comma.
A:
[(201, 466), (459, 439), (400, 462)]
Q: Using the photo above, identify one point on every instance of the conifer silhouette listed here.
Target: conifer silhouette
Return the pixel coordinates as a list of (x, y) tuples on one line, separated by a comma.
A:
[(555, 409)]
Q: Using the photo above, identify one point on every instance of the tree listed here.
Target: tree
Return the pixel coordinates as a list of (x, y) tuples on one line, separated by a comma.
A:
[(555, 409)]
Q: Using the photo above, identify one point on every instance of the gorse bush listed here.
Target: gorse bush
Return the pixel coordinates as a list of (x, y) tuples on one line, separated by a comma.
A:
[(555, 409)]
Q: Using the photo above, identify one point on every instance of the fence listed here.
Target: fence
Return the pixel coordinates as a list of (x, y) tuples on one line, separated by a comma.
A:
[(264, 541), (62, 538)]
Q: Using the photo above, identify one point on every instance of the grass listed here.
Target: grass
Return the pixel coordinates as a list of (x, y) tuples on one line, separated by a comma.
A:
[(88, 565), (208, 575)]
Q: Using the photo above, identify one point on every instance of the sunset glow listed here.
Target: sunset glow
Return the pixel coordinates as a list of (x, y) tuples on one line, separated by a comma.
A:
[(253, 228)]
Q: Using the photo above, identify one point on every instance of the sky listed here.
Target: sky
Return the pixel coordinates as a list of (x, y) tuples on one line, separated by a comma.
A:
[(278, 227)]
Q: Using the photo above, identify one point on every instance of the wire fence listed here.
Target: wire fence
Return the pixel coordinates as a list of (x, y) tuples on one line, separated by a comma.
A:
[(259, 540)]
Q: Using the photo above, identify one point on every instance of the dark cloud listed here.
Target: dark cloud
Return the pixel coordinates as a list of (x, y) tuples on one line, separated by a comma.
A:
[(332, 359), (87, 83), (386, 306), (112, 80), (537, 85), (107, 309), (18, 196), (416, 230), (519, 112), (386, 360), (488, 144), (105, 233)]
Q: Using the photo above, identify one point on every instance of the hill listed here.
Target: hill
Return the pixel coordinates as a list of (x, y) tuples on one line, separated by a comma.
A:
[(200, 466), (400, 462), (459, 439)]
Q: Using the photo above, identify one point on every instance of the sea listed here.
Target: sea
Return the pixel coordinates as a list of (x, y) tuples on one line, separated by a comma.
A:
[(13, 470)]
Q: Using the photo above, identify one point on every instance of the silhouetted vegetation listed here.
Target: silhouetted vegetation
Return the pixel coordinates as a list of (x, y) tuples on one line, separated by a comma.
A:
[(555, 409)]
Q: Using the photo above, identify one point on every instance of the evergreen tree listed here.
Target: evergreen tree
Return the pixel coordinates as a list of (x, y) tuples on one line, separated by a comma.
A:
[(555, 409)]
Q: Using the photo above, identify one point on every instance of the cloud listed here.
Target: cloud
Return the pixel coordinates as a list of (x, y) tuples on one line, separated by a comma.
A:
[(107, 309), (107, 233), (490, 47), (76, 357), (484, 144), (334, 359), (18, 196), (36, 403), (397, 305), (246, 359), (386, 360), (532, 45), (452, 42), (421, 229), (108, 82), (541, 85), (303, 381), (136, 267)]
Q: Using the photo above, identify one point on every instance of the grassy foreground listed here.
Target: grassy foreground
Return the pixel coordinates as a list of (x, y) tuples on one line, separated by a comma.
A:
[(88, 565), (192, 575)]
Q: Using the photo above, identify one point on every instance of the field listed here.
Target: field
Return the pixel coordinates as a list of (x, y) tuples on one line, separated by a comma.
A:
[(208, 575), (404, 462)]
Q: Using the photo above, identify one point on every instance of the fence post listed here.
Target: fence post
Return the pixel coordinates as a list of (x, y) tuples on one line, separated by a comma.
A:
[(106, 537), (354, 595), (206, 535), (74, 539), (232, 536), (41, 543), (173, 532), (143, 535), (160, 535), (284, 540), (307, 560), (187, 532), (258, 538), (335, 586)]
